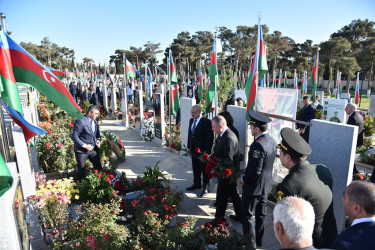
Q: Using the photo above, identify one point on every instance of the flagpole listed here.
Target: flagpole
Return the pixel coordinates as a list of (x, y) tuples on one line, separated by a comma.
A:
[(4, 137), (216, 78), (170, 97), (125, 91)]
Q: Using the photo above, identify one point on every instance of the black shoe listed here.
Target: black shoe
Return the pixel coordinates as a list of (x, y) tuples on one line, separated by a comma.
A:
[(204, 192), (193, 187), (234, 217)]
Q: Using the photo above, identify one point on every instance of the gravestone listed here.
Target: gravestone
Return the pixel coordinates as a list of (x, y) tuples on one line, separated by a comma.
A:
[(368, 93), (334, 110), (26, 173), (105, 96), (140, 95), (159, 123), (346, 96), (186, 104), (333, 93), (113, 99), (372, 106), (321, 96), (9, 238), (240, 123), (124, 107), (337, 152)]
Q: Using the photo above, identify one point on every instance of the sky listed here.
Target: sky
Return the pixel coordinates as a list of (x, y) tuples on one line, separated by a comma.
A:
[(95, 29)]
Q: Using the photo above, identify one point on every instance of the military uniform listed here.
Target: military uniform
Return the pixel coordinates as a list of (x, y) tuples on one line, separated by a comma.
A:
[(257, 180), (313, 182)]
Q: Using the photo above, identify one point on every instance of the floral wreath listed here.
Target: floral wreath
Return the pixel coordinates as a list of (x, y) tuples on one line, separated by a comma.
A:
[(116, 144)]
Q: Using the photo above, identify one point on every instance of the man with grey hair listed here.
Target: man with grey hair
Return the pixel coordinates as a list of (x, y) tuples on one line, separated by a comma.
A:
[(359, 206), (293, 222), (226, 147)]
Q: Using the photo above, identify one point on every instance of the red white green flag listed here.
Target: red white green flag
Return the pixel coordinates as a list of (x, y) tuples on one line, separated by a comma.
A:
[(174, 86), (212, 73), (6, 179), (256, 73)]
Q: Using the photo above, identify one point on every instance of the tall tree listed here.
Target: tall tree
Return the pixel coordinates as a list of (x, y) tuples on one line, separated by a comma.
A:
[(349, 66)]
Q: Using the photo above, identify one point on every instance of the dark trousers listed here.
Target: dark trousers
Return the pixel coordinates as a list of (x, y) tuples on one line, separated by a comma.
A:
[(253, 213), (373, 176), (198, 171), (225, 189), (81, 158)]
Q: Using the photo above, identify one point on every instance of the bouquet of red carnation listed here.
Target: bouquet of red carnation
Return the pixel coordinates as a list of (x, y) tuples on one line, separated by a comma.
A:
[(223, 169)]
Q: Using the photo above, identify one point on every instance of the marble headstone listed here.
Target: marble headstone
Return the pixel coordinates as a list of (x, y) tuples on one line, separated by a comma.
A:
[(124, 107), (186, 104), (321, 96), (372, 106), (240, 123), (334, 145), (140, 95)]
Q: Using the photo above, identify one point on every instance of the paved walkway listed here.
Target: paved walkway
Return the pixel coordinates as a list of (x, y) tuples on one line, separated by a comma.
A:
[(140, 154)]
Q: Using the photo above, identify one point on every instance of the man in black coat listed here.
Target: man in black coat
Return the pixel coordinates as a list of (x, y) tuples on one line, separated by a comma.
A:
[(226, 147), (74, 90), (355, 119), (359, 205), (307, 114), (94, 100), (257, 180), (200, 137), (100, 92), (86, 138), (309, 181)]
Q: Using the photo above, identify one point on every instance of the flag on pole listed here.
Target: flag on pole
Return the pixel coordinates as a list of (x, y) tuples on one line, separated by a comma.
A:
[(156, 75), (174, 86), (92, 78), (280, 77), (131, 71), (259, 60), (314, 76), (356, 97), (338, 90), (212, 73), (109, 78), (285, 80), (28, 70), (6, 179), (28, 129), (58, 73), (295, 81), (200, 86), (149, 73)]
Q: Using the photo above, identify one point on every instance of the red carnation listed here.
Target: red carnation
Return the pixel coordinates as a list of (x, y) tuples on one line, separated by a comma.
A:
[(108, 179), (72, 124), (207, 170), (206, 156), (95, 171), (197, 150), (227, 172), (173, 145), (59, 145), (99, 175), (215, 159), (153, 190), (214, 174), (48, 145)]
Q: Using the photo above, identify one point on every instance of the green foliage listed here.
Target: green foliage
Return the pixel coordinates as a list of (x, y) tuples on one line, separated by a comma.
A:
[(151, 175), (96, 187)]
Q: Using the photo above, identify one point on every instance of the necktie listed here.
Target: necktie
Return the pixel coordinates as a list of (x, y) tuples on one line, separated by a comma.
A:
[(93, 127), (194, 126)]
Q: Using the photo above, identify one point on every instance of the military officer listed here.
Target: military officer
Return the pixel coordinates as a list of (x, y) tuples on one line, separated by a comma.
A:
[(313, 182), (257, 180)]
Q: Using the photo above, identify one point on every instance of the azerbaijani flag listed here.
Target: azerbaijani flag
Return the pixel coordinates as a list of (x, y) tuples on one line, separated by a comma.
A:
[(109, 78), (175, 97), (156, 75), (28, 70), (8, 84), (285, 80), (314, 76), (131, 71), (6, 179), (200, 85), (338, 90), (280, 76), (149, 73), (28, 129), (212, 73), (356, 97), (304, 83), (92, 77), (59, 74)]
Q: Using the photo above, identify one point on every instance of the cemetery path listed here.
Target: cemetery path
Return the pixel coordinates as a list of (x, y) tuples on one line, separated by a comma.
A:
[(140, 154)]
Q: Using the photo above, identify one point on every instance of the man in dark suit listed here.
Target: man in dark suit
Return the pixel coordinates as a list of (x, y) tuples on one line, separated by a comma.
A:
[(257, 180), (86, 138), (355, 119), (94, 98), (309, 181), (199, 136), (100, 92), (74, 90), (226, 147), (359, 205), (307, 114)]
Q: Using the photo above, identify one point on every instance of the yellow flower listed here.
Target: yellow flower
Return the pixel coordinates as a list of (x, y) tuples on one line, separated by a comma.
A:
[(280, 195), (76, 197)]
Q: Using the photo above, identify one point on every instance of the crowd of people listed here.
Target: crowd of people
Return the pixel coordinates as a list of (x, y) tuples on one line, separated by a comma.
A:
[(304, 218)]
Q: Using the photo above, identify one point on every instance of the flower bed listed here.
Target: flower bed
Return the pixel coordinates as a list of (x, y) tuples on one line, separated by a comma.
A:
[(173, 138)]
